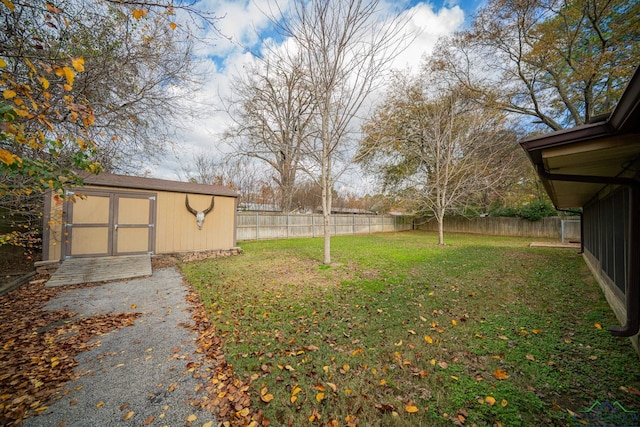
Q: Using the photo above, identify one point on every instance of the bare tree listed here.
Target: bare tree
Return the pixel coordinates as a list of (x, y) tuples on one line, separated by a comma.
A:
[(272, 114), (346, 48), (437, 151), (236, 172)]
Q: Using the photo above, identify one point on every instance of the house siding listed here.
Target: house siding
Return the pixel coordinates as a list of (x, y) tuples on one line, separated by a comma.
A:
[(606, 227)]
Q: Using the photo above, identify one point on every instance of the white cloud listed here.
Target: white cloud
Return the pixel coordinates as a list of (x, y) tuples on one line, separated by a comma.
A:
[(240, 23)]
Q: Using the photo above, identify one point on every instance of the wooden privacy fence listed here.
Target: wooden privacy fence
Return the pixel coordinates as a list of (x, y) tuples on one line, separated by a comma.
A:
[(564, 229), (274, 225)]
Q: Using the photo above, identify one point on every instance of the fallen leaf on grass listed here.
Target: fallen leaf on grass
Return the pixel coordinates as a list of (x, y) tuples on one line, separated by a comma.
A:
[(490, 400), (597, 325), (315, 415), (428, 339), (411, 409), (504, 402), (530, 357), (320, 397), (631, 390), (500, 374), (443, 365)]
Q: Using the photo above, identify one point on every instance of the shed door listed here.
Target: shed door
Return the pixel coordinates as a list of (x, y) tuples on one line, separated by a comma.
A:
[(108, 224)]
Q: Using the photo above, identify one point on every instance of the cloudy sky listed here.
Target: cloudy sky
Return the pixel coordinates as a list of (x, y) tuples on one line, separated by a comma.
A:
[(244, 24)]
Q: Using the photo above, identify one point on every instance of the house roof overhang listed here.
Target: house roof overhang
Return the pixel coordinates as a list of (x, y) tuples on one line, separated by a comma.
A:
[(576, 164)]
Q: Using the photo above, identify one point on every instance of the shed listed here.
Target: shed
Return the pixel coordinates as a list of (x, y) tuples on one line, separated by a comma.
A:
[(596, 167), (124, 215)]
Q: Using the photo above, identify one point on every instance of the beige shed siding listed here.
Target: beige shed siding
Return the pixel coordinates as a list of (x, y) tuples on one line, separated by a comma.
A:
[(177, 230), (53, 234)]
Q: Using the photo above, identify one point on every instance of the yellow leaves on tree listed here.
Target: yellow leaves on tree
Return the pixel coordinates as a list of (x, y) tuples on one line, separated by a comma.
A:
[(9, 5), (139, 13), (78, 64), (68, 74), (6, 157)]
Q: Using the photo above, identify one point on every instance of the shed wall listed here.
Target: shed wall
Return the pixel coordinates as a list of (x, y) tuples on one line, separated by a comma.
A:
[(177, 230)]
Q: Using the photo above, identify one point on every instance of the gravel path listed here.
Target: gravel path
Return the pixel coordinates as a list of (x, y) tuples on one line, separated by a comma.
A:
[(138, 375)]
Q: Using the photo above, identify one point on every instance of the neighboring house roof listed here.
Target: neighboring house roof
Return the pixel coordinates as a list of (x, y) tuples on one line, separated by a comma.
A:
[(604, 152), (125, 181)]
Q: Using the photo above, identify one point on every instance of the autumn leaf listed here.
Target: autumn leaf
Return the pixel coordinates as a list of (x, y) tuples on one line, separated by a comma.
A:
[(9, 5), (192, 418), (443, 364), (9, 94), (315, 415), (490, 400), (411, 409), (172, 25), (6, 157), (500, 374), (78, 64), (265, 396), (428, 339), (149, 420), (52, 9), (530, 357), (139, 13), (333, 387), (504, 402), (597, 325), (99, 404), (320, 397), (3, 63), (453, 322), (128, 415)]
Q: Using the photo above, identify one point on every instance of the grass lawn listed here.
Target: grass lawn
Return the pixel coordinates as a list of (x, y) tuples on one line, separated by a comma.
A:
[(399, 331)]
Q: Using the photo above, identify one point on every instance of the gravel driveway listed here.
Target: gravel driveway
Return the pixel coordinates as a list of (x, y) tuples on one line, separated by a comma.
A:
[(138, 375)]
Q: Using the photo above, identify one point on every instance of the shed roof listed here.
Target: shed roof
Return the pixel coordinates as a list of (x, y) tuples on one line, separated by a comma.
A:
[(607, 148), (136, 182)]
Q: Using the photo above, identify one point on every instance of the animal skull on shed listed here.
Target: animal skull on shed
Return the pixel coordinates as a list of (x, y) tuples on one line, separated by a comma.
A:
[(199, 215)]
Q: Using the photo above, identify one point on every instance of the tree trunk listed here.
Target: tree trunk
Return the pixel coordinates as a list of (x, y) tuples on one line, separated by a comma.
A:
[(440, 218), (326, 215)]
